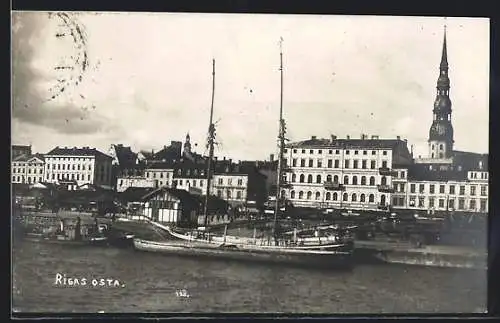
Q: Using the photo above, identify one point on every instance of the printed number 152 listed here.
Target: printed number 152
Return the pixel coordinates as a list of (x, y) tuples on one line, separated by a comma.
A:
[(181, 293)]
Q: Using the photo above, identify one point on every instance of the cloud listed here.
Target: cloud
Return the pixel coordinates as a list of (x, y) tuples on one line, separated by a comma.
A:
[(29, 100)]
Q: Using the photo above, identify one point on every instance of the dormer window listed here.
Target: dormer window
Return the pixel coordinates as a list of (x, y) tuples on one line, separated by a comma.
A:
[(188, 172), (179, 172)]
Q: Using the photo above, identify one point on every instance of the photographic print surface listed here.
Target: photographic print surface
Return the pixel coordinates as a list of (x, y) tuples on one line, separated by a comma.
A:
[(206, 163)]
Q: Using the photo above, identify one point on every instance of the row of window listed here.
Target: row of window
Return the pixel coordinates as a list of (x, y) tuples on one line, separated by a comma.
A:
[(335, 179), (22, 170), (20, 179), (441, 203), (335, 163), (78, 177), (230, 181), (72, 167), (337, 151), (353, 197), (482, 175), (451, 189), (229, 194), (27, 164), (72, 159)]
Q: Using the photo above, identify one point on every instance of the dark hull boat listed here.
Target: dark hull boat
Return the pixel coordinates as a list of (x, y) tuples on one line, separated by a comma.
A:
[(61, 240), (120, 239)]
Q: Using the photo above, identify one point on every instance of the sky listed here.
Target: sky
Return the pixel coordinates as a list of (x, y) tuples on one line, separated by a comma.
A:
[(145, 79)]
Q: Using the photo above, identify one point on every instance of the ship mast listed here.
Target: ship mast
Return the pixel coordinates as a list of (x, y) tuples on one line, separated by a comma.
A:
[(281, 145), (211, 140)]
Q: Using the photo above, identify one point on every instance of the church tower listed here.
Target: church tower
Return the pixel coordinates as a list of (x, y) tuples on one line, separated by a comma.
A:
[(441, 131), (187, 145)]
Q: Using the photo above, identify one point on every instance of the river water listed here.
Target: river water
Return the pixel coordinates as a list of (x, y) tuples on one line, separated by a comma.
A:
[(147, 282)]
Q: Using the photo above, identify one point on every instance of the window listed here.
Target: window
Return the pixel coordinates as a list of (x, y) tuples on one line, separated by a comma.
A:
[(461, 204), (374, 152), (229, 181), (462, 190), (431, 202), (347, 152), (294, 162), (201, 183), (318, 194), (309, 195), (301, 195), (229, 193), (483, 190), (346, 163), (441, 189), (311, 151), (180, 182), (483, 205), (335, 196), (353, 197), (420, 201), (363, 164), (472, 205), (452, 189), (451, 204), (294, 178), (219, 193), (402, 174), (329, 178), (472, 190), (384, 180), (431, 189), (441, 203), (371, 198), (412, 200), (355, 152), (320, 163), (301, 178), (240, 181), (355, 180), (309, 178), (372, 181), (346, 180), (372, 164), (344, 197), (310, 163), (362, 198), (318, 179), (320, 151), (337, 162), (295, 151), (337, 152), (329, 163), (303, 151), (302, 162), (238, 195), (336, 179), (364, 152), (384, 153), (363, 180), (221, 181), (355, 164), (292, 194), (330, 151), (328, 196), (384, 164)]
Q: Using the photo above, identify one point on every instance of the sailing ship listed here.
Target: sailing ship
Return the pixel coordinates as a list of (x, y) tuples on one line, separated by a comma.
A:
[(318, 247)]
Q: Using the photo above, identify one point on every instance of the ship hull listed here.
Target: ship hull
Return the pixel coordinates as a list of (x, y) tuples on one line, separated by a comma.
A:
[(340, 259), (99, 242)]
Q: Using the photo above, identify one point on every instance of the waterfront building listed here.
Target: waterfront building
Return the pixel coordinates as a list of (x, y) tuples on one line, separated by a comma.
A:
[(27, 169), (342, 173), (78, 165)]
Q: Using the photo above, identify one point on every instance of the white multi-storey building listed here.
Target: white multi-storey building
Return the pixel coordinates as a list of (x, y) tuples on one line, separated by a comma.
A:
[(79, 165), (342, 173), (27, 169)]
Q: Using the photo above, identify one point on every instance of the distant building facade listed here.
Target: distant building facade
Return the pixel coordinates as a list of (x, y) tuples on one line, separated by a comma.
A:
[(124, 182), (19, 150), (342, 173), (27, 169), (79, 165)]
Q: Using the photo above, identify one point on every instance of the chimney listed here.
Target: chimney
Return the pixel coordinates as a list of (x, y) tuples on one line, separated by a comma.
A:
[(333, 137), (271, 157), (375, 137), (411, 150), (348, 137), (313, 137), (230, 161), (406, 142), (224, 158), (398, 137), (481, 164)]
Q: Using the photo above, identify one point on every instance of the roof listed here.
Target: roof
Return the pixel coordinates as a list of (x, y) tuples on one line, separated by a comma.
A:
[(469, 160), (85, 151), (347, 143), (135, 193), (26, 158), (161, 165), (168, 153), (421, 172), (183, 195), (125, 155), (21, 147)]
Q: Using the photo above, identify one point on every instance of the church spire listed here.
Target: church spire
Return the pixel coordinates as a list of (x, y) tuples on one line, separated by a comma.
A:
[(444, 54)]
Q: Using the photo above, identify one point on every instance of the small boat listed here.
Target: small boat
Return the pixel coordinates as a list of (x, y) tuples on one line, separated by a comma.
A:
[(63, 240)]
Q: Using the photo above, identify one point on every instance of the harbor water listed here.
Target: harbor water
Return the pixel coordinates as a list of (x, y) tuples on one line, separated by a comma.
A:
[(123, 281)]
